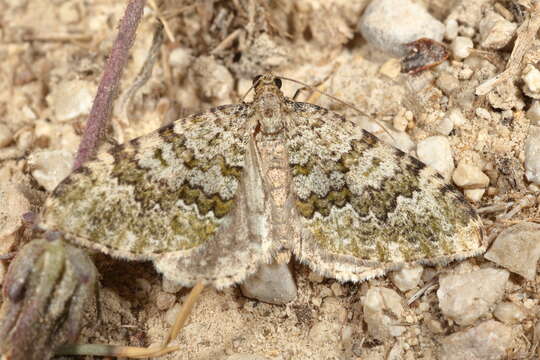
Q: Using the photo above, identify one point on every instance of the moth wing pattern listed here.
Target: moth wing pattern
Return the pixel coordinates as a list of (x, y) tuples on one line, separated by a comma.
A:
[(165, 196), (365, 207)]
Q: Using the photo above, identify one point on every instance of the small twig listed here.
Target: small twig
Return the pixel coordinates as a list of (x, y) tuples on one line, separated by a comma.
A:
[(145, 73), (8, 256), (430, 285), (494, 208), (102, 107), (184, 313), (226, 42), (161, 18)]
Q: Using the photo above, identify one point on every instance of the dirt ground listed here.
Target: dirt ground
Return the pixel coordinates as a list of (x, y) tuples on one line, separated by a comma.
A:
[(53, 53)]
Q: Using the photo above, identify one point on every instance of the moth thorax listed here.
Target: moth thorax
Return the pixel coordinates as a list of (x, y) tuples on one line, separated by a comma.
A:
[(269, 112)]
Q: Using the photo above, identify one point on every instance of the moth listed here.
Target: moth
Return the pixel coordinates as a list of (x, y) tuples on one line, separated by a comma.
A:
[(211, 197)]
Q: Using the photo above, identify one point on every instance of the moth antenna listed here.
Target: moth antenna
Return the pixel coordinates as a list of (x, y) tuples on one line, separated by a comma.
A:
[(339, 101), (247, 92)]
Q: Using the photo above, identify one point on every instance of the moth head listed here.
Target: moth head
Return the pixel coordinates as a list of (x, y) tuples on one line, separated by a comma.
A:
[(268, 100)]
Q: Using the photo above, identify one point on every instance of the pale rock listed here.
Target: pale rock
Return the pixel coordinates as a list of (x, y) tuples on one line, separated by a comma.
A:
[(468, 176), (387, 24), (400, 122), (49, 167), (474, 195), (435, 151), (68, 13), (172, 314), (383, 313), (532, 155), (213, 79), (391, 68), (6, 136), (445, 126), (461, 47), (447, 82), (509, 313), (165, 301), (180, 58), (451, 29), (457, 117), (533, 114), (71, 99), (517, 249), (337, 289), (408, 277), (13, 204), (315, 277), (531, 79), (495, 31), (482, 113), (246, 357), (466, 297), (488, 340), (170, 286), (272, 283), (466, 73)]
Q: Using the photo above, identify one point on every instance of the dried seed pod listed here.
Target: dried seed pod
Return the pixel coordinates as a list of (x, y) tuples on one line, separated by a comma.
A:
[(423, 54), (45, 290)]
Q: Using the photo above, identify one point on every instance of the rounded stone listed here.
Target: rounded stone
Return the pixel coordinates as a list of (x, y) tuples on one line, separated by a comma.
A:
[(272, 283), (435, 151), (387, 24)]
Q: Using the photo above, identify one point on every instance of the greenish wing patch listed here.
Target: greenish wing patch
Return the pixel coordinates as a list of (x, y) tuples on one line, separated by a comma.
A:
[(167, 191), (358, 196)]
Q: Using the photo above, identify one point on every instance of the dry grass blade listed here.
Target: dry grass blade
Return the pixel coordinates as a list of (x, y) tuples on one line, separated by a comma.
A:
[(184, 313)]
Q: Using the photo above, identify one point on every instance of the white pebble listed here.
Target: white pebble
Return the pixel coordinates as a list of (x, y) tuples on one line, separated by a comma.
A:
[(532, 155), (457, 117), (531, 78), (408, 277), (534, 113), (180, 58), (447, 82), (213, 79), (383, 313), (495, 31), (435, 151), (400, 122), (165, 300), (445, 126), (468, 176), (461, 47), (387, 24), (517, 249), (49, 167), (172, 314), (488, 340), (68, 13), (482, 113), (272, 283), (451, 30), (466, 73), (6, 136), (474, 195), (509, 313), (466, 297), (71, 99), (170, 286)]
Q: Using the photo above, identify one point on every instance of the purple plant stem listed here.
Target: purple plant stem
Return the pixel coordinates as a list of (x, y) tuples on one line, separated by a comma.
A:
[(103, 102)]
